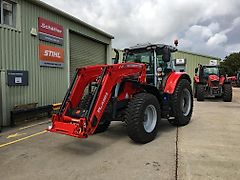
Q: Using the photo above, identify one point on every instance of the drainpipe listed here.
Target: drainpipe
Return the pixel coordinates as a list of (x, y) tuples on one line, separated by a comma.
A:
[(3, 100)]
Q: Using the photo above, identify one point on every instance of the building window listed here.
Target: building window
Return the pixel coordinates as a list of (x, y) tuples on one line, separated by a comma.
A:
[(8, 13)]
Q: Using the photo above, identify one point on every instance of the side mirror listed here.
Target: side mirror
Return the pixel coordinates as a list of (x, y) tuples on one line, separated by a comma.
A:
[(222, 71), (196, 70), (166, 54), (116, 56)]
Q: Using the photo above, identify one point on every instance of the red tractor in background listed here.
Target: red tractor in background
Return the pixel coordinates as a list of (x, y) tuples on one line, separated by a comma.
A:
[(138, 92), (235, 80), (208, 82)]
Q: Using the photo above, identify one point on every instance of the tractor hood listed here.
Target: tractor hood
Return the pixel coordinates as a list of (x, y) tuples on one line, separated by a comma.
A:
[(213, 77)]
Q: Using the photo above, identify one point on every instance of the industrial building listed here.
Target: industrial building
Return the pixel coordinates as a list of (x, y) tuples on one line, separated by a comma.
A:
[(191, 60), (40, 48)]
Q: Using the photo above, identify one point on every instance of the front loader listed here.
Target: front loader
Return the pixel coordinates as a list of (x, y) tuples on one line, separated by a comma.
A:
[(138, 92)]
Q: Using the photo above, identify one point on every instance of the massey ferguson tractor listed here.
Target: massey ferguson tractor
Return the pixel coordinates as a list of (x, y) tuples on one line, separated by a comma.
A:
[(208, 82), (235, 80), (138, 92)]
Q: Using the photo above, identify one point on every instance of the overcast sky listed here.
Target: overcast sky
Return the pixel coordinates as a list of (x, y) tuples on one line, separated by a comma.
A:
[(210, 27)]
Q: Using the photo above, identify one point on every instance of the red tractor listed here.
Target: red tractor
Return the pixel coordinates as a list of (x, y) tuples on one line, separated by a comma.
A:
[(138, 92), (208, 82), (235, 80)]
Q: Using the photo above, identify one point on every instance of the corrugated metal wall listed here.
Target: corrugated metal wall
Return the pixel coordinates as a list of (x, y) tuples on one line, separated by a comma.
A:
[(85, 51), (192, 60), (19, 51)]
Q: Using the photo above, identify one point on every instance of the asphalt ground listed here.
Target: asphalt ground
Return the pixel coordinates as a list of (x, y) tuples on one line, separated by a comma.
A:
[(207, 148), (109, 155)]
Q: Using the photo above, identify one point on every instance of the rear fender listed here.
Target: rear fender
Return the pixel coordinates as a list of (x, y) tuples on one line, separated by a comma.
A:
[(222, 80), (173, 80)]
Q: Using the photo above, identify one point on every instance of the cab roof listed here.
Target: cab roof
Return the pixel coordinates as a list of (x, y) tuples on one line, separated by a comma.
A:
[(148, 46), (209, 65)]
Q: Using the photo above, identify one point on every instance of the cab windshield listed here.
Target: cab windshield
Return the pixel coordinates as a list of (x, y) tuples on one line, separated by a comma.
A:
[(211, 70), (144, 57)]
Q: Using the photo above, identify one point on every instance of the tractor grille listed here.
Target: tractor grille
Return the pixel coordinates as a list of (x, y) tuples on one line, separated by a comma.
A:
[(215, 83)]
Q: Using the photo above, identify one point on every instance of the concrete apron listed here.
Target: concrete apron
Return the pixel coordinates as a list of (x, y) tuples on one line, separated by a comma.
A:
[(236, 95), (209, 148)]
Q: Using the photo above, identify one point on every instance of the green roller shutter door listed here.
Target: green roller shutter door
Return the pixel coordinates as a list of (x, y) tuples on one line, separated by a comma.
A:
[(85, 51)]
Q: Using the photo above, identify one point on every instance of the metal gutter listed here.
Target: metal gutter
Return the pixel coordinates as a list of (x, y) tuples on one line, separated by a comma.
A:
[(187, 52), (68, 16)]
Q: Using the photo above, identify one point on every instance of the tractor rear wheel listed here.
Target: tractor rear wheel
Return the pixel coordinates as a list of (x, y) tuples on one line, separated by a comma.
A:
[(200, 92), (227, 92), (182, 103), (142, 116)]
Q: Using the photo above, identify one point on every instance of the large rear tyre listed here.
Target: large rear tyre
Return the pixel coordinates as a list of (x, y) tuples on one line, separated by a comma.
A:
[(142, 116), (227, 92), (182, 103), (200, 92)]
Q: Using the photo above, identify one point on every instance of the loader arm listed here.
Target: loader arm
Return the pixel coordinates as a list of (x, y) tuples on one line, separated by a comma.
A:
[(105, 78)]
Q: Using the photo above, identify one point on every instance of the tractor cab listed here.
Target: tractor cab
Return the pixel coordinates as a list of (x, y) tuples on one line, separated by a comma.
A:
[(156, 57), (211, 73), (210, 70)]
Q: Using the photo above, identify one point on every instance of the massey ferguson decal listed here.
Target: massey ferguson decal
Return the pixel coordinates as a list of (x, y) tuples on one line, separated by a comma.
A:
[(131, 66), (51, 56), (102, 103), (50, 31)]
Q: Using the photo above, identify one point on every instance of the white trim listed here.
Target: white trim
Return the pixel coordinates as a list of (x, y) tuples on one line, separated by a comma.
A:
[(16, 16), (109, 53), (1, 6), (9, 27)]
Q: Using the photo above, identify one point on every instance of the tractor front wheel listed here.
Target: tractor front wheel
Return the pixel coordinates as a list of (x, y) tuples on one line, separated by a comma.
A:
[(142, 116), (103, 125), (106, 117), (200, 92), (195, 90), (227, 92), (105, 120), (182, 103)]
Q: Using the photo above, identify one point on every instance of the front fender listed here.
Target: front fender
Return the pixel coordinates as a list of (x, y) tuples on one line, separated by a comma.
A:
[(196, 79), (173, 80)]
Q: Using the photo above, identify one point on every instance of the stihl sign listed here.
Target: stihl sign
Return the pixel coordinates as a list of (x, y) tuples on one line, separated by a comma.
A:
[(50, 31), (51, 56)]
